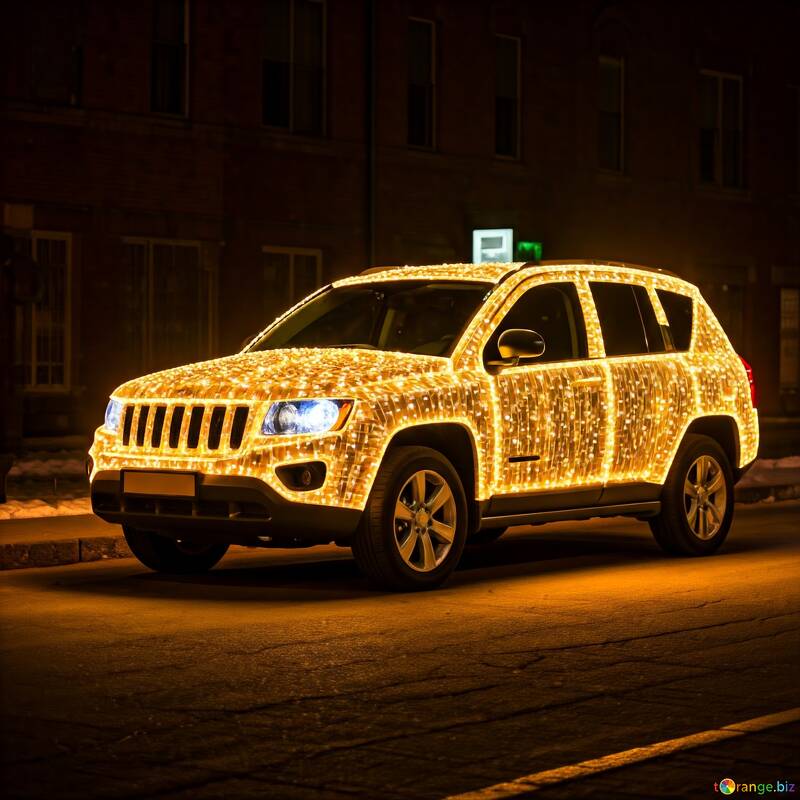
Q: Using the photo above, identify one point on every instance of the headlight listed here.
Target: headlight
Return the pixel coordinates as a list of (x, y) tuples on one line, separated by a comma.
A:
[(305, 416), (113, 415)]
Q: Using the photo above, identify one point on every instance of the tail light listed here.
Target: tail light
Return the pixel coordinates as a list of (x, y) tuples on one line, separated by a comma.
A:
[(749, 370)]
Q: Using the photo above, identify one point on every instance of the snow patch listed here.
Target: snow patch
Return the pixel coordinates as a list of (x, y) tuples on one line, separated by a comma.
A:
[(26, 509)]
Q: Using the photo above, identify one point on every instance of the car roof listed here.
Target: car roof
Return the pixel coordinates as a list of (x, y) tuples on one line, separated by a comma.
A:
[(489, 272)]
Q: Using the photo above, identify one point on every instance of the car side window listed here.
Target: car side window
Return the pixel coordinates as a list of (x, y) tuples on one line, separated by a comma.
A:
[(627, 319), (552, 310), (679, 310), (656, 342)]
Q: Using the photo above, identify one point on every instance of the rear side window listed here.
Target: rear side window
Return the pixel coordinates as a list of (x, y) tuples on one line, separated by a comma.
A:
[(652, 329), (679, 310), (627, 319)]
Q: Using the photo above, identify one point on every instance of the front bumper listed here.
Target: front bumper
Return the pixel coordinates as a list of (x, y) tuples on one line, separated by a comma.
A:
[(232, 509)]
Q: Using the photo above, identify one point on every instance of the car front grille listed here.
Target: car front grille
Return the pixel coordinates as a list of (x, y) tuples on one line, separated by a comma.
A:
[(163, 428)]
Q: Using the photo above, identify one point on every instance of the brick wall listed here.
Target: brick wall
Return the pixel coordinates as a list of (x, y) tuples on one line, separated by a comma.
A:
[(107, 168)]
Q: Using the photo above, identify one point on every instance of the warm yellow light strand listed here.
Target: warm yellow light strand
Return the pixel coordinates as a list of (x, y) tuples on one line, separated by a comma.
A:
[(644, 403)]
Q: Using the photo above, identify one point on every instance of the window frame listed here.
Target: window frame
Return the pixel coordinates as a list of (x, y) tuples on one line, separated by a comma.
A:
[(727, 301), (517, 156), (719, 163), (290, 128), (795, 112), (29, 385), (316, 252), (788, 336), (620, 62), (433, 84), (187, 19), (147, 322)]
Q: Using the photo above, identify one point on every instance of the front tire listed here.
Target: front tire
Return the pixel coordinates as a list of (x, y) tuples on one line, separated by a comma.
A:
[(172, 556), (697, 500), (414, 526)]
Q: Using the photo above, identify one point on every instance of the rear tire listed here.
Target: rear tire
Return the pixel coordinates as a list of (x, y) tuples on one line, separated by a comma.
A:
[(414, 526), (173, 556), (696, 501)]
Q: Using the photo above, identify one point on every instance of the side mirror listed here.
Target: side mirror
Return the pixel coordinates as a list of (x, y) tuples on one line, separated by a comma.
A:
[(518, 343)]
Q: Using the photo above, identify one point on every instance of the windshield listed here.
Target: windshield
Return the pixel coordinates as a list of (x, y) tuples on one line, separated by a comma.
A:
[(421, 317)]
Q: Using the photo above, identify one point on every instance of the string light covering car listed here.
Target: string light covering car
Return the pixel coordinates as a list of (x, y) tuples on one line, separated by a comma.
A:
[(406, 410)]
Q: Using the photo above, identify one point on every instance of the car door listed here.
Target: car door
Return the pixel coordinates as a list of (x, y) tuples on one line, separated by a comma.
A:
[(651, 388), (551, 410)]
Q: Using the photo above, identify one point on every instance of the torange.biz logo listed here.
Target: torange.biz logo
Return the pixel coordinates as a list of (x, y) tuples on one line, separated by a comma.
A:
[(729, 786)]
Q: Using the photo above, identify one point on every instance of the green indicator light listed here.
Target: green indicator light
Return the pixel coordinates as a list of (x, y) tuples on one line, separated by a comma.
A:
[(530, 251)]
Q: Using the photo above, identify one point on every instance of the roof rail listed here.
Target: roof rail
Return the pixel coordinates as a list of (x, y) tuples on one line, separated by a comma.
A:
[(515, 270), (602, 262), (512, 269), (373, 270)]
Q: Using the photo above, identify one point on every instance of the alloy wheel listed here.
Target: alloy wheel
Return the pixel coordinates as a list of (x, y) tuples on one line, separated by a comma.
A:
[(705, 497), (425, 520)]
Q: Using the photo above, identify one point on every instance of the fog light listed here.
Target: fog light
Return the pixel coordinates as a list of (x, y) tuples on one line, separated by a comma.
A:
[(302, 477)]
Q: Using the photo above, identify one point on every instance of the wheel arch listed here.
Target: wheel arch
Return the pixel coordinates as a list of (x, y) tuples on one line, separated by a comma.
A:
[(456, 442), (724, 430)]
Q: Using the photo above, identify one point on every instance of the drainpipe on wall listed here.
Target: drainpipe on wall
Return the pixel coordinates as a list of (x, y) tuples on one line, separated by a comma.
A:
[(369, 132)]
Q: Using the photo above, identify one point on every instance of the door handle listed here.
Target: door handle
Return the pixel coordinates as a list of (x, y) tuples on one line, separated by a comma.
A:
[(594, 380)]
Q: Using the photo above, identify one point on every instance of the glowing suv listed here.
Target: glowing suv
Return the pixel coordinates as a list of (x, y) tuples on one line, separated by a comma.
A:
[(406, 411)]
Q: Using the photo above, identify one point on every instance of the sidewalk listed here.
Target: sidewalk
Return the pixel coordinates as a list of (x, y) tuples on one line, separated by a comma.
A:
[(779, 437), (770, 479), (48, 480)]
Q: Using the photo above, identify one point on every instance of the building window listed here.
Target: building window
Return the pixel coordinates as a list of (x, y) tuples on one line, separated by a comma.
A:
[(611, 113), (289, 274), (57, 36), (293, 68), (421, 82), (42, 328), (507, 96), (727, 301), (796, 117), (169, 56), (721, 129), (790, 347), (165, 304)]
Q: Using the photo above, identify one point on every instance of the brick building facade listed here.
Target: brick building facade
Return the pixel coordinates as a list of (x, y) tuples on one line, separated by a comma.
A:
[(186, 168)]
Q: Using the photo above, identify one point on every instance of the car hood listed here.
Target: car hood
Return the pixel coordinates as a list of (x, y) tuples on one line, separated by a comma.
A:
[(281, 374)]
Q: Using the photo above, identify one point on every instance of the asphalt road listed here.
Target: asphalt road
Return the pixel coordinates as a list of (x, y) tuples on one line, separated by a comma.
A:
[(283, 675)]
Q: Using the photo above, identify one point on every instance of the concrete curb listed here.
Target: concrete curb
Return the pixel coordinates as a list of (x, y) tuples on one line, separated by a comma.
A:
[(76, 550), (62, 551), (755, 494)]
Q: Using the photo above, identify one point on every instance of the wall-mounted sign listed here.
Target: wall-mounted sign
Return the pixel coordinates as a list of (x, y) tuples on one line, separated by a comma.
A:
[(494, 244), (529, 251)]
